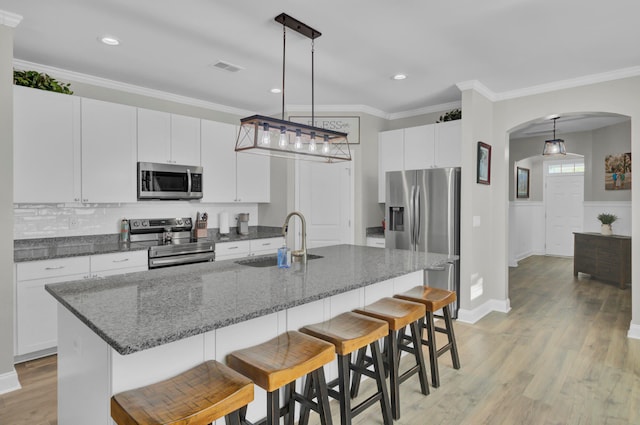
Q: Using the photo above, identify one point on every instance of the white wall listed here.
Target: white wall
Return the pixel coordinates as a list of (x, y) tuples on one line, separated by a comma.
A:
[(8, 377)]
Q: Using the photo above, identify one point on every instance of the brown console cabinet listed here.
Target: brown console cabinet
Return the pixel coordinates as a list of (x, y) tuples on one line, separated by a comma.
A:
[(605, 258)]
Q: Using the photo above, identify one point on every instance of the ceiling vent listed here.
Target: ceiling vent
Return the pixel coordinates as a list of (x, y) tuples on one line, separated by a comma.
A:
[(226, 66)]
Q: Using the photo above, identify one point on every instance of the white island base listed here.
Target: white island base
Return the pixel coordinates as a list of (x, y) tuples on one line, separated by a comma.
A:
[(90, 371)]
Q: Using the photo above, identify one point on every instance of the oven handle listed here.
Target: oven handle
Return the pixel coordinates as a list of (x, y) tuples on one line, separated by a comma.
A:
[(183, 259), (188, 180), (205, 250)]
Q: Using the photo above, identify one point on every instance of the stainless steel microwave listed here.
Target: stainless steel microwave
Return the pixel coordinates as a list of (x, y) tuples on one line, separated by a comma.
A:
[(169, 181)]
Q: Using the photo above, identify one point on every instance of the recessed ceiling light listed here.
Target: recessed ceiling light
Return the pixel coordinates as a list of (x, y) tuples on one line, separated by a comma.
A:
[(399, 76), (275, 90), (109, 40)]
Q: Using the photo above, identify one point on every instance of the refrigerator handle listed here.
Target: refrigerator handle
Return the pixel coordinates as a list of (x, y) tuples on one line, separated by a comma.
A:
[(418, 218), (412, 218)]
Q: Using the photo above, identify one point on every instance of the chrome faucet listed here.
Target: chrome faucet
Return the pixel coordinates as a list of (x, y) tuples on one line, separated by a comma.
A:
[(299, 255)]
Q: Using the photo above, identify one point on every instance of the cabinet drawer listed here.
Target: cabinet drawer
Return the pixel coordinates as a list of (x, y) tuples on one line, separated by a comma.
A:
[(52, 268), (376, 242), (259, 246), (233, 248), (119, 260)]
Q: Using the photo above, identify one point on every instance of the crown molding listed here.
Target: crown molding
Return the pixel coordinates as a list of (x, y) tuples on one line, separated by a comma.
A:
[(426, 110), (479, 87), (9, 19), (571, 83), (129, 88), (340, 108)]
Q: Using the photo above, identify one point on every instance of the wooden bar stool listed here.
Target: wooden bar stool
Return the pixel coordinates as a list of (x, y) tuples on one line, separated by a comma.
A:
[(435, 299), (349, 332), (398, 314), (278, 363), (198, 396)]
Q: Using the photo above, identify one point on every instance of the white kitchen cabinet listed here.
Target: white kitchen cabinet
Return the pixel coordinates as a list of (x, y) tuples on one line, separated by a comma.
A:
[(108, 152), (247, 248), (416, 148), (448, 146), (168, 138), (36, 311), (231, 250), (419, 146), (103, 265), (46, 147), (265, 246), (390, 156), (376, 242), (229, 176)]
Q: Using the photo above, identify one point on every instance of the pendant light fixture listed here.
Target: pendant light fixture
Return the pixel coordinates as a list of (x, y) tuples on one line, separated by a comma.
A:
[(554, 146), (280, 138)]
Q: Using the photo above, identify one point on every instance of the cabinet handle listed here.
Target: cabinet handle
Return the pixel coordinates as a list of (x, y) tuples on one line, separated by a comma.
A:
[(76, 199), (120, 261), (54, 268), (85, 200), (233, 247), (266, 244)]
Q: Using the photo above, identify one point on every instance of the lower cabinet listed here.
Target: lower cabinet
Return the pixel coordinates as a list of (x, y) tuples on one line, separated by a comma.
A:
[(376, 242), (241, 249), (36, 310)]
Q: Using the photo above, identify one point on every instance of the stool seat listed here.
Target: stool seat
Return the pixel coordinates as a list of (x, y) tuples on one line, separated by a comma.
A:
[(397, 313), (432, 298), (198, 396), (282, 360), (349, 331)]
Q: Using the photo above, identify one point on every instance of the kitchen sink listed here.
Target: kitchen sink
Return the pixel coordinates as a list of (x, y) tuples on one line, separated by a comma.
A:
[(269, 261)]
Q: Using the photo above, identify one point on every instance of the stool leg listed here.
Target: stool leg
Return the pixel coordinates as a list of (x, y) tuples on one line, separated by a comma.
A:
[(433, 351), (343, 388), (273, 407), (357, 376), (304, 411), (394, 383), (232, 418), (290, 402), (381, 382), (452, 338), (417, 349), (322, 396)]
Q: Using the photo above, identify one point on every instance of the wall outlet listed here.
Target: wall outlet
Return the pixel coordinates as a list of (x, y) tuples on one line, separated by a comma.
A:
[(73, 223)]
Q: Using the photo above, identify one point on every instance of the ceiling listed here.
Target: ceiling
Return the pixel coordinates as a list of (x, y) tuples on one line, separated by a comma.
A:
[(507, 45)]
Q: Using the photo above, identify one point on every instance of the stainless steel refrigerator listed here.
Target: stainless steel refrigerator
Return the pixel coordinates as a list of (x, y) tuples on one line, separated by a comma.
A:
[(422, 213)]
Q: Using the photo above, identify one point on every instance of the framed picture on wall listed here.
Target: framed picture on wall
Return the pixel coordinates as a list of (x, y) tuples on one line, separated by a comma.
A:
[(522, 182), (484, 164)]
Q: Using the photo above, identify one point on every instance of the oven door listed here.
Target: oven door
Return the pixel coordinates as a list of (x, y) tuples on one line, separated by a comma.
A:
[(169, 181)]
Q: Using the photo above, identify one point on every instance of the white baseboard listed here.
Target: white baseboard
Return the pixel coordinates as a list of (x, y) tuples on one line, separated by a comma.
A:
[(634, 331), (472, 316), (9, 382)]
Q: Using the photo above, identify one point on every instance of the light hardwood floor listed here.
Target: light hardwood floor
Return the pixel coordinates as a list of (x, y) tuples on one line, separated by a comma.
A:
[(561, 356)]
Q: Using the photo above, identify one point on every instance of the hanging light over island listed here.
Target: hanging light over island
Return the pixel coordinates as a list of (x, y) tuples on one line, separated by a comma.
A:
[(281, 138)]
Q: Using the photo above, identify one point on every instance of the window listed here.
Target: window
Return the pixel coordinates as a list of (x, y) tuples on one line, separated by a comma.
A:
[(565, 167)]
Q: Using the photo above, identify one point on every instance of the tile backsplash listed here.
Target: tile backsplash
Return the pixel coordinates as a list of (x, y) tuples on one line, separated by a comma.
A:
[(56, 220)]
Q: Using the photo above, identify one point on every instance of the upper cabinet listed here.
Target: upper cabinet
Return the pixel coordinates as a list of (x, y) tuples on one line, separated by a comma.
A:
[(108, 152), (415, 148), (46, 148), (168, 138), (227, 175)]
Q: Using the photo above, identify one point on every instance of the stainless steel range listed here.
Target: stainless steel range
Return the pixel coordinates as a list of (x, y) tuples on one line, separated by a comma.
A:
[(170, 241)]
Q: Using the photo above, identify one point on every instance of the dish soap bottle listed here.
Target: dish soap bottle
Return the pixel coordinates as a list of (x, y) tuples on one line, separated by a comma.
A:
[(283, 257)]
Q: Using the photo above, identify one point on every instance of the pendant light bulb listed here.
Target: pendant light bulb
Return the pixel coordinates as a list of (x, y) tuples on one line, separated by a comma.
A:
[(298, 140), (312, 142), (283, 142), (325, 146), (266, 135)]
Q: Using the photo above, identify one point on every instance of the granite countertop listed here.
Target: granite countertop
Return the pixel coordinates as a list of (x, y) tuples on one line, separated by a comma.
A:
[(74, 246), (137, 311), (375, 232)]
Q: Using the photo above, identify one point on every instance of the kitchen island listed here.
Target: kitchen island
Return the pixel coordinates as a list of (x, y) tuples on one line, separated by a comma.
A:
[(130, 330)]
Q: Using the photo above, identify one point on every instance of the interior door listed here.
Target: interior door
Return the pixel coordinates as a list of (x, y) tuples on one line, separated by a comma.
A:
[(564, 212), (325, 198)]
